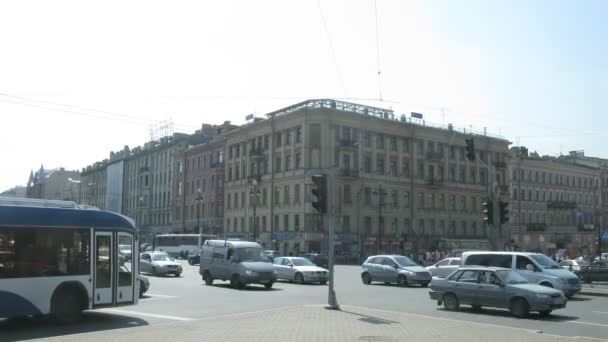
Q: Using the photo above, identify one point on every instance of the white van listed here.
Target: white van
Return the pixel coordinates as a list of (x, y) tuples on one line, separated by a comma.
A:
[(536, 268)]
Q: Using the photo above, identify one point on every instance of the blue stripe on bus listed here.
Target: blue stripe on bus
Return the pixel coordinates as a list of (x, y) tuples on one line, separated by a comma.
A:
[(60, 217), (13, 305)]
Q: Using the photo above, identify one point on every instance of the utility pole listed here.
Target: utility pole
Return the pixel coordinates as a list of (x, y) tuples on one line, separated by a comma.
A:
[(253, 194), (332, 299)]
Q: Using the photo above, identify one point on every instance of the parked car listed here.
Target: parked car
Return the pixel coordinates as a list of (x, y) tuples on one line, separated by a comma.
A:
[(240, 262), (572, 265), (195, 258), (596, 271), (271, 254), (495, 287), (299, 270), (394, 269), (159, 263), (536, 268), (604, 257), (318, 259), (144, 284), (444, 267)]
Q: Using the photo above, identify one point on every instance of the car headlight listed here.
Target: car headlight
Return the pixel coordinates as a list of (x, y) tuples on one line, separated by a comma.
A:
[(543, 295), (251, 273)]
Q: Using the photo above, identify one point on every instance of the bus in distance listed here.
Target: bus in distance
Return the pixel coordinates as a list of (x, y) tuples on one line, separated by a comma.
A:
[(179, 244)]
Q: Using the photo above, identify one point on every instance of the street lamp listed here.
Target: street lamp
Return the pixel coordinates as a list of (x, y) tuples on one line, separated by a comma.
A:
[(381, 193), (199, 198), (253, 195), (74, 181)]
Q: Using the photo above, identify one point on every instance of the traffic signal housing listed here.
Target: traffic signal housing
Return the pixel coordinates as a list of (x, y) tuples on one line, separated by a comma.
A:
[(319, 191), (488, 212), (504, 212), (470, 149)]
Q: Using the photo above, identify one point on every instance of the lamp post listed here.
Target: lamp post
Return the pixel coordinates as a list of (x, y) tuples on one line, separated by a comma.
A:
[(381, 193), (253, 196), (199, 198)]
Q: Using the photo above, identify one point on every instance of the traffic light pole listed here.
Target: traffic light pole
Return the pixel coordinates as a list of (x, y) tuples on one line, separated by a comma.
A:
[(332, 300)]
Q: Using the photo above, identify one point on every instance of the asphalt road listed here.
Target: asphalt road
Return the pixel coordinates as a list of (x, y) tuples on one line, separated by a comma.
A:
[(187, 298)]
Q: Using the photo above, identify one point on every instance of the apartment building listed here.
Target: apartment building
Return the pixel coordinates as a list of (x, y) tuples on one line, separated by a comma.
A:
[(555, 203), (54, 184), (403, 184), (199, 184)]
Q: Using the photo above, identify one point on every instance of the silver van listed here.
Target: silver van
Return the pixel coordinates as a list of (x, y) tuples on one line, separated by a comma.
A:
[(536, 268), (240, 262)]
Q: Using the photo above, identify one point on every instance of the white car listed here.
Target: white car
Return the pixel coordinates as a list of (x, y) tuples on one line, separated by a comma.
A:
[(444, 267), (144, 284), (572, 265), (299, 270), (159, 263)]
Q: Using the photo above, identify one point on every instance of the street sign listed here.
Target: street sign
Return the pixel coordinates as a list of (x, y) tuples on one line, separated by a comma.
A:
[(604, 234)]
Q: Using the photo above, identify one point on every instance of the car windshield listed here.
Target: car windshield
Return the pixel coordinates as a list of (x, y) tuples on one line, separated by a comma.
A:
[(161, 257), (302, 262), (511, 277), (251, 254), (404, 261), (544, 261)]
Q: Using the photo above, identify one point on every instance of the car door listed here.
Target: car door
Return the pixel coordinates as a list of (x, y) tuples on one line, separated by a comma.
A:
[(522, 263), (145, 263), (288, 268), (453, 266), (370, 266), (390, 270), (278, 267), (489, 293), (438, 270), (377, 269), (466, 287)]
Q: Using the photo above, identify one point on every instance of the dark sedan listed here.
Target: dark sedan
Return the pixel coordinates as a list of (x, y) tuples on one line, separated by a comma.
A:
[(194, 258), (317, 259), (495, 287), (596, 271)]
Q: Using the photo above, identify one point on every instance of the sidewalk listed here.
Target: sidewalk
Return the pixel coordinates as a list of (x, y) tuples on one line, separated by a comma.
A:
[(315, 323)]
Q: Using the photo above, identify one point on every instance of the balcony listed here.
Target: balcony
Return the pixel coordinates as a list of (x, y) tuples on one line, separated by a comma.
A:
[(499, 164), (434, 182), (561, 205), (348, 143), (353, 173), (536, 227), (434, 156)]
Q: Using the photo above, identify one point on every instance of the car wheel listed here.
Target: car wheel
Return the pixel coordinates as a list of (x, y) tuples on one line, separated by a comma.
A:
[(154, 271), (268, 286), (424, 284), (66, 307), (207, 278), (141, 289), (323, 282), (402, 280), (299, 279), (236, 283), (191, 262), (545, 313), (366, 278), (520, 308), (450, 302), (177, 275)]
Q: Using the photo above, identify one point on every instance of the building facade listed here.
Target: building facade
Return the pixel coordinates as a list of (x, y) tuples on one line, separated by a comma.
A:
[(555, 203), (93, 184), (54, 184), (199, 184), (402, 185)]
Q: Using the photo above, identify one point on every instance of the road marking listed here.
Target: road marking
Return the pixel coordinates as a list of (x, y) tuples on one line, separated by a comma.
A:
[(588, 323), (250, 312), (601, 312), (158, 295), (146, 314)]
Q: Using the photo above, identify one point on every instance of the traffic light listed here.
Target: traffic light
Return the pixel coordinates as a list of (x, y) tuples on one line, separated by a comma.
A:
[(319, 191), (488, 212), (470, 149), (504, 212)]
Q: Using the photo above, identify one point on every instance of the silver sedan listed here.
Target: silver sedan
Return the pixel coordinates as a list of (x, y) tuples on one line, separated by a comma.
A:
[(159, 263), (444, 268), (299, 270)]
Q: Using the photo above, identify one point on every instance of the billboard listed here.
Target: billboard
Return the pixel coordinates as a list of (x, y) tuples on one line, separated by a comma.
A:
[(114, 179)]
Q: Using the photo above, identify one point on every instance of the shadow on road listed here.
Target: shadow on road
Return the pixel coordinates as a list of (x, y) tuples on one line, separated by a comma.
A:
[(505, 313), (369, 319), (27, 328), (579, 299), (248, 288), (304, 284), (413, 286)]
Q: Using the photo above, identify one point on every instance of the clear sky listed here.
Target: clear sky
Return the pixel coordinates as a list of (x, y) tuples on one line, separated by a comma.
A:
[(80, 79)]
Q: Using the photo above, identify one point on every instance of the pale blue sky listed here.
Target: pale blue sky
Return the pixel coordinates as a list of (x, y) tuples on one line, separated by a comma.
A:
[(537, 70)]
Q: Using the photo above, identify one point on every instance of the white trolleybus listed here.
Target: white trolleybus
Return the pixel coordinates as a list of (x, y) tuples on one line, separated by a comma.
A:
[(177, 245), (59, 259)]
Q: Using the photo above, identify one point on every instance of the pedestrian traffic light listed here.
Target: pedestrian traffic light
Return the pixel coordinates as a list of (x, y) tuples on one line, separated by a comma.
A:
[(470, 149), (488, 212), (319, 191), (504, 212)]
